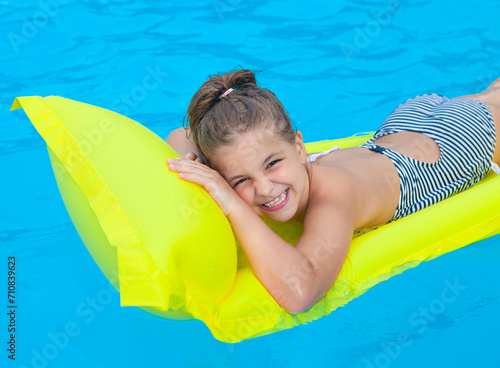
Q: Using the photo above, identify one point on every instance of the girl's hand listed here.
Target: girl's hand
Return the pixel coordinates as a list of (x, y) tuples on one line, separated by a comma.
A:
[(190, 169), (193, 157)]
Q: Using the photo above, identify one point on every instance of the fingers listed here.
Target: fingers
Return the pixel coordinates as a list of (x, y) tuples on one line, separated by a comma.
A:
[(190, 156), (195, 172), (211, 180), (193, 157), (188, 166)]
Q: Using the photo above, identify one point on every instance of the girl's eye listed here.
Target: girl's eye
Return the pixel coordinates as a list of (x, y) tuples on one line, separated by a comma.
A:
[(269, 165), (239, 182), (272, 163)]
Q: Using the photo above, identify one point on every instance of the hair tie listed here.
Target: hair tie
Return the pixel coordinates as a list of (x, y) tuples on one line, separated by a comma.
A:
[(226, 93)]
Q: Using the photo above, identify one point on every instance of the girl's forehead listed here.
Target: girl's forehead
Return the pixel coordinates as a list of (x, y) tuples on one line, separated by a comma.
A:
[(252, 141), (266, 135), (249, 149), (263, 137)]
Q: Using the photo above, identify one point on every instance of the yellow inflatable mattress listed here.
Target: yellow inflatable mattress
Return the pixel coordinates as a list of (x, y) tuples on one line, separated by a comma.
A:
[(167, 247)]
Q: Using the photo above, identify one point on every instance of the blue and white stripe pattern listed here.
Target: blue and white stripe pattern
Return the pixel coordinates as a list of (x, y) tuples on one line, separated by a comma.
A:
[(464, 130)]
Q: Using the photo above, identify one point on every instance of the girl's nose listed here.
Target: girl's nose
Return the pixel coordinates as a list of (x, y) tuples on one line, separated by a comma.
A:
[(263, 187)]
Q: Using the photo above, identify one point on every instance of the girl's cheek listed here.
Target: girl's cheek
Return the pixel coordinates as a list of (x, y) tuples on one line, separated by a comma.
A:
[(245, 194), (282, 174)]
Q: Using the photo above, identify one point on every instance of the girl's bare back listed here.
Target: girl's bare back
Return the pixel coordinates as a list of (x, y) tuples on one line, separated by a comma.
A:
[(374, 177)]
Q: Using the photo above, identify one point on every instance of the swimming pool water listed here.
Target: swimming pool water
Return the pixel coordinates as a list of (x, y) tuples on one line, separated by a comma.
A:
[(339, 68)]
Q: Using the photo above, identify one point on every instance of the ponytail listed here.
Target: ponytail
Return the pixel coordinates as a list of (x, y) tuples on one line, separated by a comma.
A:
[(231, 103)]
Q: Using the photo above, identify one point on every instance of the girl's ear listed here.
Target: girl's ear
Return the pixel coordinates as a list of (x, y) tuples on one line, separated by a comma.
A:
[(301, 149)]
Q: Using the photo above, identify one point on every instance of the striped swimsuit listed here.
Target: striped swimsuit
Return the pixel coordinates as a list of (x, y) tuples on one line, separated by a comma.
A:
[(464, 130)]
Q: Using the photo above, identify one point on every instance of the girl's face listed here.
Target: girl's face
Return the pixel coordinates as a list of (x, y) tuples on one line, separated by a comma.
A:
[(268, 173)]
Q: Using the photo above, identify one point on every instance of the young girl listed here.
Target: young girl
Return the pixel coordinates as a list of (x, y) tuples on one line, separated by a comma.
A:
[(242, 149)]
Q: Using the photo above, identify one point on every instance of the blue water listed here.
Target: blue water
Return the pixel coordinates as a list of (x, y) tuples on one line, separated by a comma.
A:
[(339, 67)]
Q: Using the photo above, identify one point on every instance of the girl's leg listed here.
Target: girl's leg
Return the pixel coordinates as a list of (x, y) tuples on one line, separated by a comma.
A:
[(491, 97)]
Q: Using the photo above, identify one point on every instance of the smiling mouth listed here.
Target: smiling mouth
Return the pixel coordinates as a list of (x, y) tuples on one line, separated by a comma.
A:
[(278, 202)]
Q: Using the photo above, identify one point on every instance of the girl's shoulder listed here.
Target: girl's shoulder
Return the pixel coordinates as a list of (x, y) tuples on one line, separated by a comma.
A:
[(330, 184), (340, 191)]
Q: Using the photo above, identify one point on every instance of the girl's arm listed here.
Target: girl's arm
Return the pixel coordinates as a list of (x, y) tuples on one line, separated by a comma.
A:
[(296, 277), (179, 141)]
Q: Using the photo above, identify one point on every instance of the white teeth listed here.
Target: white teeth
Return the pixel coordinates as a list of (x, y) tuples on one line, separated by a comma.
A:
[(276, 200)]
